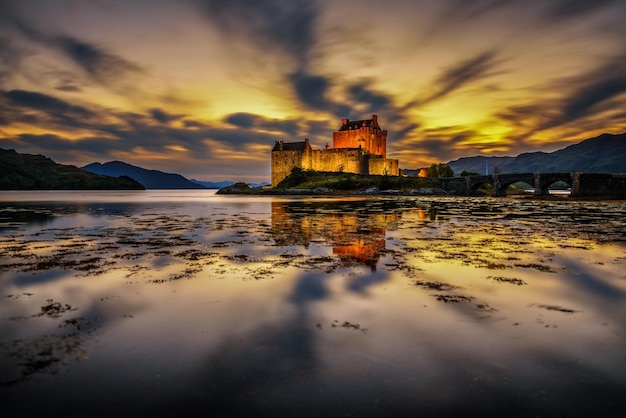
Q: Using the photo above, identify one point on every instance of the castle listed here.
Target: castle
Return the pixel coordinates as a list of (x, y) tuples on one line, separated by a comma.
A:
[(358, 147)]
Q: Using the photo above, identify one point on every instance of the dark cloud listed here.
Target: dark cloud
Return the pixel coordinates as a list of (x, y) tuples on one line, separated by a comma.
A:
[(190, 123), (59, 145), (67, 85), (464, 73), (258, 122), (287, 26), (567, 9), (374, 101), (311, 90), (101, 65), (52, 106), (457, 14), (162, 116), (586, 97), (241, 120), (463, 10)]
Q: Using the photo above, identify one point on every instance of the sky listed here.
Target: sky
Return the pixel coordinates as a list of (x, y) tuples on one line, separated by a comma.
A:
[(204, 88)]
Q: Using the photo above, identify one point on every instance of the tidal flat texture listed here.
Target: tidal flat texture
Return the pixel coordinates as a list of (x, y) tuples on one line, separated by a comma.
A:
[(186, 303)]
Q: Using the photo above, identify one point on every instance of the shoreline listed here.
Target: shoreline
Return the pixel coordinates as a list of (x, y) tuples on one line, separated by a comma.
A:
[(321, 192)]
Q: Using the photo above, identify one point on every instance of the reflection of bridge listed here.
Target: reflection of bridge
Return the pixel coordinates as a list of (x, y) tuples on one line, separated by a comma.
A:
[(581, 184)]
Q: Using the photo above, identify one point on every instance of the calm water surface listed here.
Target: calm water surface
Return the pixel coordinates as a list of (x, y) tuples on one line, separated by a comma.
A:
[(185, 303)]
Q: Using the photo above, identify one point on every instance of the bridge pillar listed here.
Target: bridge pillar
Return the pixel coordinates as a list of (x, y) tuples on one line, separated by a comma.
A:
[(575, 185), (498, 190), (540, 190)]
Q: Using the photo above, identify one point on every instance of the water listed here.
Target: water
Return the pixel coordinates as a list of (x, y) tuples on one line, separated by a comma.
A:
[(187, 303)]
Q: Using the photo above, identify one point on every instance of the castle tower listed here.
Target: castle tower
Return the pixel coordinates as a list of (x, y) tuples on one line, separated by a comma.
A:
[(365, 134)]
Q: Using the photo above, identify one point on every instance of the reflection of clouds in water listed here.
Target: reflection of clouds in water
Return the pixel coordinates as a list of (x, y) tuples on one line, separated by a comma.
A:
[(360, 283), (309, 287), (482, 355)]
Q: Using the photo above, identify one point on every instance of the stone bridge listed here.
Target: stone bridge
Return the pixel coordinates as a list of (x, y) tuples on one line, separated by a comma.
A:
[(581, 184)]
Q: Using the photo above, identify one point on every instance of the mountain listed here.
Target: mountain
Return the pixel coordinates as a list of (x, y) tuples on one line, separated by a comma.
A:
[(151, 179), (36, 172), (213, 184), (603, 154), (480, 165)]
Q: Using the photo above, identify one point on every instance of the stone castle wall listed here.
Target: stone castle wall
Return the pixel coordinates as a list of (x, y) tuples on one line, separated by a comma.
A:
[(282, 164), (339, 160), (331, 160), (372, 141), (383, 167)]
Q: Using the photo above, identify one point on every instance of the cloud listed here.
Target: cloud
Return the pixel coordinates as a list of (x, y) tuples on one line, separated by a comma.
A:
[(463, 10), (162, 116), (463, 74), (568, 9), (41, 109), (360, 99), (241, 120), (286, 26), (374, 101), (10, 60), (58, 145), (101, 65), (250, 121), (601, 86), (79, 135), (595, 94), (311, 90), (44, 102)]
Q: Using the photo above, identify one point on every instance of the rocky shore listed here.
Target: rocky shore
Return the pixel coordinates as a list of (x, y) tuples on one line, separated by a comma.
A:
[(243, 188)]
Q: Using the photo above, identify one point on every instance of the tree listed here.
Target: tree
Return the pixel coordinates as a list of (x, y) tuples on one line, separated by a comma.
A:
[(440, 170)]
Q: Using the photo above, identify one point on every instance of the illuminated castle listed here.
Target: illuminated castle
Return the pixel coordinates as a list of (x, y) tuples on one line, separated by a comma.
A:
[(358, 147)]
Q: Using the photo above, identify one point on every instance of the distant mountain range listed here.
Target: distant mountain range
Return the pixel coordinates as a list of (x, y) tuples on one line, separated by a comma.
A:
[(151, 179), (603, 154), (213, 184), (36, 172), (155, 179)]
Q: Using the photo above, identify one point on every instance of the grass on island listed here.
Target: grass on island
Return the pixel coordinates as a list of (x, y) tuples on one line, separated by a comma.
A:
[(342, 182), (310, 179)]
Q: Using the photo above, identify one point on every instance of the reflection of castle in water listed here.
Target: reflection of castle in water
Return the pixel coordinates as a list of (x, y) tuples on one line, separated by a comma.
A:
[(352, 234)]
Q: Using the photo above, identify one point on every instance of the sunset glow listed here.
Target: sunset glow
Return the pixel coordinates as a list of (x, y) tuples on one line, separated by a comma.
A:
[(203, 88)]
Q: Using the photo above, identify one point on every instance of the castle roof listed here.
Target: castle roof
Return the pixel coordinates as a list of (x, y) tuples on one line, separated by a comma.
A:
[(347, 124), (289, 146)]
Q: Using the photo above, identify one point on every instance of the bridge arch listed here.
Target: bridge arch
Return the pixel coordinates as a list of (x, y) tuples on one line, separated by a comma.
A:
[(503, 181), (475, 182), (543, 181)]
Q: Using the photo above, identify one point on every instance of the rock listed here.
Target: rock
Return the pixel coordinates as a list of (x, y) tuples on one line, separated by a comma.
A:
[(237, 188)]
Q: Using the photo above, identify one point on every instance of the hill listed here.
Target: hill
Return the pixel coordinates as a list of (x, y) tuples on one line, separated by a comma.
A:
[(603, 154), (36, 172), (213, 184), (221, 184), (151, 179)]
